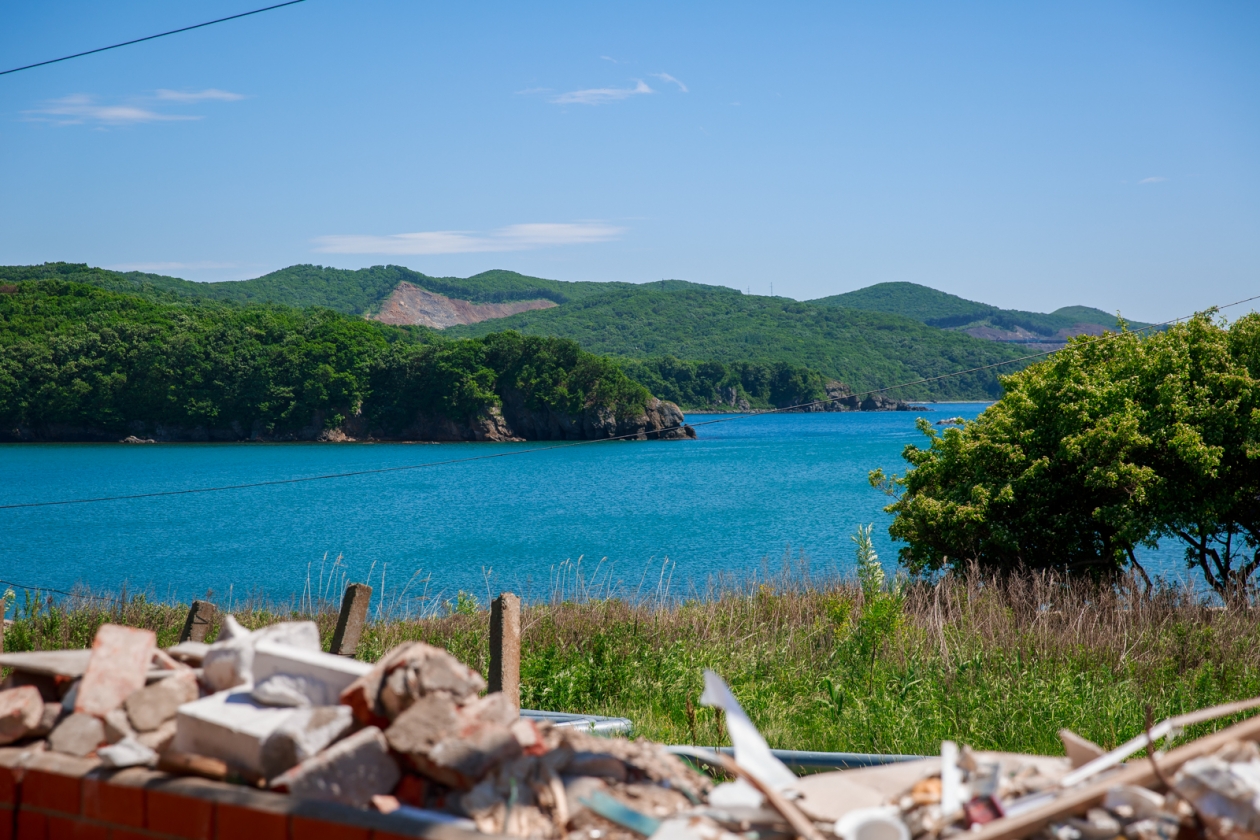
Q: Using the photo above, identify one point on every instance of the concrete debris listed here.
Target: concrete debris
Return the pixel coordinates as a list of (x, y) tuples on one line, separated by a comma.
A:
[(127, 753), (350, 772), (21, 711), (229, 662), (79, 734), (303, 735), (150, 707), (413, 736), (404, 675), (118, 666)]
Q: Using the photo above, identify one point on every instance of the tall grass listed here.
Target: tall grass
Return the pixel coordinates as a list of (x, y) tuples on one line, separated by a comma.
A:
[(824, 664)]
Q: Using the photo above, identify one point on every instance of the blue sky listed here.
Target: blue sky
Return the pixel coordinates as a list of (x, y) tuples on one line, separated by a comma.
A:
[(1031, 156)]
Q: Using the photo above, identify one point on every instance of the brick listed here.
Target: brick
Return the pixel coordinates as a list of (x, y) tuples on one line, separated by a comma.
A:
[(6, 822), (124, 834), (408, 672), (333, 673), (112, 803), (308, 829), (61, 828), (236, 821), (21, 710), (167, 812), (118, 666), (77, 734), (303, 735), (8, 785), (51, 791), (31, 825)]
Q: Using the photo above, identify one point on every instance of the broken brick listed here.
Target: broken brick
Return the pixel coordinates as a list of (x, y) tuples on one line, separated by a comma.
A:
[(21, 710), (118, 666)]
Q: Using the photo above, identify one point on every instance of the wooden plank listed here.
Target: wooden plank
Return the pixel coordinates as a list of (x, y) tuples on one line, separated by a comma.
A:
[(1138, 772)]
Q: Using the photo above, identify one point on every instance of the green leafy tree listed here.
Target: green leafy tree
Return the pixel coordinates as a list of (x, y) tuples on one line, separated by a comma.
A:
[(1104, 447)]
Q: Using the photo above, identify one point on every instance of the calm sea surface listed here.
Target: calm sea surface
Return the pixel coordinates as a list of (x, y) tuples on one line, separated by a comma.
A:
[(733, 501)]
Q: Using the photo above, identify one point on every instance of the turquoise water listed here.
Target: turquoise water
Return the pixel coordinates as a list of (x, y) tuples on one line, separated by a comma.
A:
[(732, 502)]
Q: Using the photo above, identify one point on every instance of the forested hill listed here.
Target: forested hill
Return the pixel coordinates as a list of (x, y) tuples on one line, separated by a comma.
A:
[(78, 362), (691, 321), (946, 311), (352, 292)]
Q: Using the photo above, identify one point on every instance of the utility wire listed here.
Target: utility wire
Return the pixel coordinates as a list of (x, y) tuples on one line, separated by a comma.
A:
[(380, 470), (148, 37)]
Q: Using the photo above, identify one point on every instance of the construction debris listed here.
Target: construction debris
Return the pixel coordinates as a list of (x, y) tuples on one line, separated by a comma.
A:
[(415, 736)]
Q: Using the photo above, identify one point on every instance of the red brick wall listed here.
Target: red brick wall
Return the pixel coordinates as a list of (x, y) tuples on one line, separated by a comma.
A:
[(49, 796)]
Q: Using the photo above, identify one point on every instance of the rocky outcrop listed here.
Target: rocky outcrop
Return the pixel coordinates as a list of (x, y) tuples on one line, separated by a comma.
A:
[(409, 304), (514, 422)]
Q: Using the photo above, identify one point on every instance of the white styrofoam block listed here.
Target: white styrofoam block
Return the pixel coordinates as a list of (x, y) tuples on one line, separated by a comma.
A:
[(335, 672), (229, 726)]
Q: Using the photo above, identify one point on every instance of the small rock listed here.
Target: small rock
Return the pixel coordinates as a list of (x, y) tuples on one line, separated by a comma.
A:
[(52, 715), (79, 734), (21, 711), (118, 726), (159, 739), (127, 753), (291, 690), (350, 772), (153, 705), (302, 736)]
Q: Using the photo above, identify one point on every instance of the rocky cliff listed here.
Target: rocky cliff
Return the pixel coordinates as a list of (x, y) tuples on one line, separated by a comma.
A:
[(514, 422), (409, 304)]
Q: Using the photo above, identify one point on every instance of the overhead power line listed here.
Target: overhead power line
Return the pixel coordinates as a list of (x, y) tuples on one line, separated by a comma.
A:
[(149, 37), (570, 445)]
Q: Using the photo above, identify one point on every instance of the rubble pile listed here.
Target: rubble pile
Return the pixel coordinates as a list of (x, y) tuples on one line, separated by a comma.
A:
[(416, 736)]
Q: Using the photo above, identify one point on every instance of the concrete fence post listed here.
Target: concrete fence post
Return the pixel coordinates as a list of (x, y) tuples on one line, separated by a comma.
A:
[(505, 647), (200, 616), (350, 621)]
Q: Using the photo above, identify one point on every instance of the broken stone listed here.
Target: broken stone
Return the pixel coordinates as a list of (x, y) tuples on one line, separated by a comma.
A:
[(127, 753), (229, 662), (288, 690), (117, 667), (323, 675), (52, 714), (419, 729), (21, 711), (159, 740), (404, 675), (118, 726), (79, 734), (153, 705), (303, 735), (350, 772), (493, 708), (462, 760), (230, 726)]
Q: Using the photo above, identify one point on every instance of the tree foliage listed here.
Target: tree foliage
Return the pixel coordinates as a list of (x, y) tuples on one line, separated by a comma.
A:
[(1106, 446), (81, 357), (701, 385)]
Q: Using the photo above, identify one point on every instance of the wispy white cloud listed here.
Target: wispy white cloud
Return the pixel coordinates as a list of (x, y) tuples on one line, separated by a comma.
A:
[(610, 58), (533, 90), (170, 266), (511, 238), (1154, 179), (601, 96), (198, 95), (81, 108), (665, 77)]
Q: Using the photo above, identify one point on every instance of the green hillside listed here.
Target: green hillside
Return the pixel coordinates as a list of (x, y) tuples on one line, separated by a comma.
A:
[(946, 311), (690, 321), (352, 292)]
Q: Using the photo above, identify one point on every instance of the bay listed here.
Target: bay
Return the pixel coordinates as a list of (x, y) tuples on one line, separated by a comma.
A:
[(627, 517)]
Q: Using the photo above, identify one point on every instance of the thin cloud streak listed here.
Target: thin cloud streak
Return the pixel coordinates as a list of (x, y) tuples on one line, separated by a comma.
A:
[(511, 238), (213, 94), (1154, 179), (80, 108), (601, 96), (665, 77)]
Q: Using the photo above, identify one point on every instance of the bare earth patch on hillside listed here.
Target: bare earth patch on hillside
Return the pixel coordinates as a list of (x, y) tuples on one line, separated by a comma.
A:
[(410, 304)]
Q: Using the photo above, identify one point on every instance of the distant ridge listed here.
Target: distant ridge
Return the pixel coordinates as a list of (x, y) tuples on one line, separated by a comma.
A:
[(979, 320)]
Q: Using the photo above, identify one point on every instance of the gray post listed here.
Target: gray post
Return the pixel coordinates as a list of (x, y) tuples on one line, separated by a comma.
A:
[(354, 610), (505, 647), (200, 616)]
